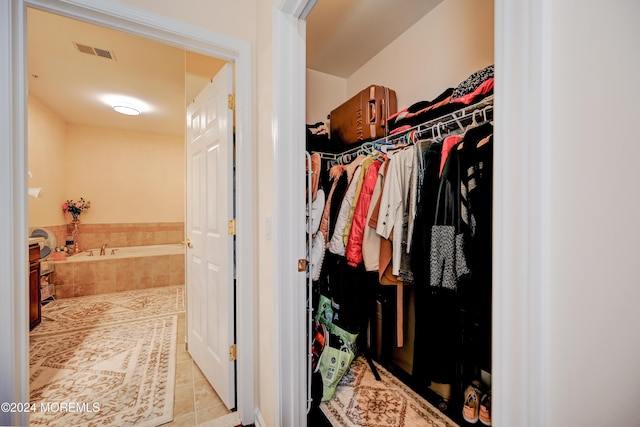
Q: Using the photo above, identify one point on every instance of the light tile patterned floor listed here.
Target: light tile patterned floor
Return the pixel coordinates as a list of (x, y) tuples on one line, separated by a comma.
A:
[(195, 400)]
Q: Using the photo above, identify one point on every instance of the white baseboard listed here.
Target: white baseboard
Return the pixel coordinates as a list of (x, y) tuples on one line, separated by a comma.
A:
[(259, 422)]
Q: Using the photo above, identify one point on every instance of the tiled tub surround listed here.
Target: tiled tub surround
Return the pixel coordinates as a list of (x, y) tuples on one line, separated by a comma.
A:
[(121, 234), (129, 268)]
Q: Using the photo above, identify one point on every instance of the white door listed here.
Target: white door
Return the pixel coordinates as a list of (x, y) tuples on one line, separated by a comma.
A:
[(210, 252)]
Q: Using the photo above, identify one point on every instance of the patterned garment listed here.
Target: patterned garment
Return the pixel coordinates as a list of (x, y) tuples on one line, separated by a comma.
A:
[(473, 81)]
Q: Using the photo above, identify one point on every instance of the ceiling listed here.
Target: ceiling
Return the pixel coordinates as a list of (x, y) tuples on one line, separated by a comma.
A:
[(77, 86), (342, 35)]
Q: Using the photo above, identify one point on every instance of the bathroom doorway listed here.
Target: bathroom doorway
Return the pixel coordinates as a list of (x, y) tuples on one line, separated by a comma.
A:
[(193, 78)]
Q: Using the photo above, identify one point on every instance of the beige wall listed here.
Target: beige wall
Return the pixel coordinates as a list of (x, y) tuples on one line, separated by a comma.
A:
[(431, 56), (235, 18), (324, 93), (439, 51), (128, 176), (47, 147)]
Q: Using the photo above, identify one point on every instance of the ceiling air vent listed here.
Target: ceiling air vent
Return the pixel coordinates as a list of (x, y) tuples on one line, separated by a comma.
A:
[(95, 51)]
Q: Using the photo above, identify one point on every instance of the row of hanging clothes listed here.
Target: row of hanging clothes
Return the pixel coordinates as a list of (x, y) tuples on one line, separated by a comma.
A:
[(412, 209)]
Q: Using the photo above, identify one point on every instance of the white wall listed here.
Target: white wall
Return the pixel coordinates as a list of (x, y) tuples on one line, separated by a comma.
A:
[(266, 325), (439, 51), (324, 93), (595, 281)]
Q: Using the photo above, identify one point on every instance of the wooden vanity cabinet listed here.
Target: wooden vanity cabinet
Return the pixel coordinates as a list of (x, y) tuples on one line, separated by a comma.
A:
[(34, 286)]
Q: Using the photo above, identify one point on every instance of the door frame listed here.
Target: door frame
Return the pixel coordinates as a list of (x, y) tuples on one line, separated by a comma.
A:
[(13, 171), (521, 296), (289, 88), (521, 206)]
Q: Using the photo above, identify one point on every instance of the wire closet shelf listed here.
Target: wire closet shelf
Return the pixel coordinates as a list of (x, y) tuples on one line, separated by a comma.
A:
[(447, 124)]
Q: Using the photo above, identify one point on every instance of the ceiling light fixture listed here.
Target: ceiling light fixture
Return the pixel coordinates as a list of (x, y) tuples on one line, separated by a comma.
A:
[(124, 109), (126, 104)]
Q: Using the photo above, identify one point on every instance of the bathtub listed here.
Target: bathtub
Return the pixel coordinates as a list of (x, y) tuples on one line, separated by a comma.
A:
[(127, 252), (129, 268)]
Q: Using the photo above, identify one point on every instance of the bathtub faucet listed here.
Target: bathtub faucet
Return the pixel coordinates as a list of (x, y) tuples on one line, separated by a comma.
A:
[(102, 249)]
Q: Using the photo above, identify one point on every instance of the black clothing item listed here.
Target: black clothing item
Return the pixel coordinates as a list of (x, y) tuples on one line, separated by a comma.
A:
[(472, 82), (352, 294), (474, 290), (427, 194), (401, 118), (424, 104), (336, 201), (476, 294), (423, 356), (441, 316), (453, 331), (318, 140)]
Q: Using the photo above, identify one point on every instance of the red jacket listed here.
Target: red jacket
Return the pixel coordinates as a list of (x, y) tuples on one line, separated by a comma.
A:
[(356, 234)]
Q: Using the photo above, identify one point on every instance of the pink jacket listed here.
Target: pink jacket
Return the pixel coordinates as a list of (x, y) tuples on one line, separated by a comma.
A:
[(356, 234)]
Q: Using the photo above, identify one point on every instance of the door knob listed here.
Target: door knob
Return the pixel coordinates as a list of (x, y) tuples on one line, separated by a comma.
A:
[(187, 243)]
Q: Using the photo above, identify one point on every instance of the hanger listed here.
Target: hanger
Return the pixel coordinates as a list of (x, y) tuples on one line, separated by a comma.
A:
[(484, 141), (474, 135), (368, 149), (484, 113), (474, 123), (413, 136), (435, 131)]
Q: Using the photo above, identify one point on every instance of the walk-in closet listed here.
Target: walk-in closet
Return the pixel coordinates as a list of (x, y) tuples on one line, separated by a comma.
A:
[(399, 225)]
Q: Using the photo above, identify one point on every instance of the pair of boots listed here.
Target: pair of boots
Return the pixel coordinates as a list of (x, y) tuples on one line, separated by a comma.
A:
[(477, 404)]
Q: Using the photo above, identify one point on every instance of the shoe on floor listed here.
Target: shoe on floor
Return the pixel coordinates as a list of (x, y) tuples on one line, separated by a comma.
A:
[(471, 407), (485, 409)]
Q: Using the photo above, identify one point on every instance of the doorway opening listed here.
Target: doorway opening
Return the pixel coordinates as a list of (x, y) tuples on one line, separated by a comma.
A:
[(235, 52), (132, 168)]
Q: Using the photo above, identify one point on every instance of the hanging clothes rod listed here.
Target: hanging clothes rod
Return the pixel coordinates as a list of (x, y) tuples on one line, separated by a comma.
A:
[(440, 126)]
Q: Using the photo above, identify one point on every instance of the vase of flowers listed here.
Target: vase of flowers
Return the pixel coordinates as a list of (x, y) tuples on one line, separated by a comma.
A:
[(75, 208)]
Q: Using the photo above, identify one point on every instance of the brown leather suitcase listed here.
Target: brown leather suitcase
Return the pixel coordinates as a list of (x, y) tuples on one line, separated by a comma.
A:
[(363, 117)]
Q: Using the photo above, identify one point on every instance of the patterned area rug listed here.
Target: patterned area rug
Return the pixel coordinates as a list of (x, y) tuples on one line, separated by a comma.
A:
[(106, 360), (109, 309), (361, 401)]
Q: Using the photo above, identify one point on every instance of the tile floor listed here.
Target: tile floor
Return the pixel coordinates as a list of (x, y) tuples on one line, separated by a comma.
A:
[(195, 402)]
